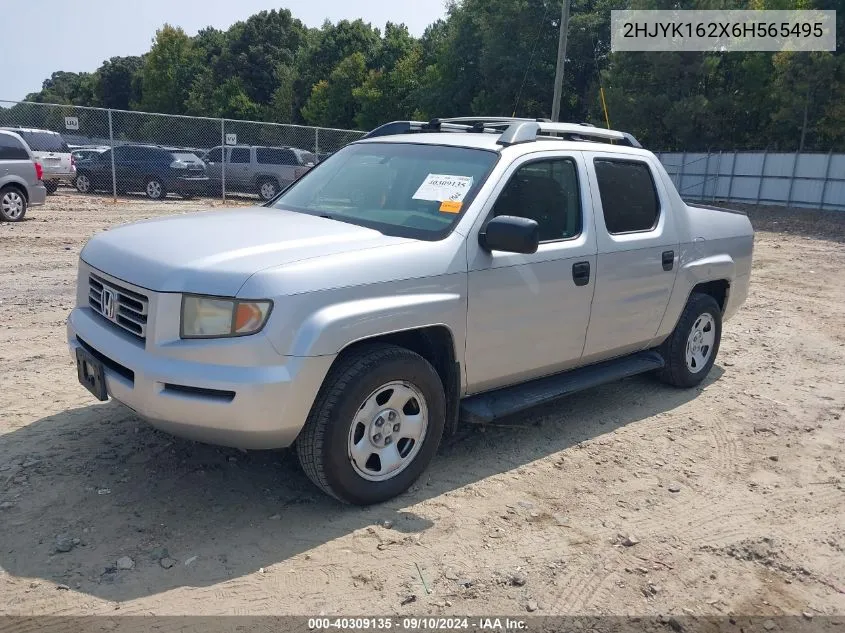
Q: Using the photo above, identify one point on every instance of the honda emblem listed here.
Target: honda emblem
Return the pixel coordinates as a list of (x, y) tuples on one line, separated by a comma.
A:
[(109, 303)]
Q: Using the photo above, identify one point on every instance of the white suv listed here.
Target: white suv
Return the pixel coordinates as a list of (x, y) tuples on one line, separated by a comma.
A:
[(50, 150)]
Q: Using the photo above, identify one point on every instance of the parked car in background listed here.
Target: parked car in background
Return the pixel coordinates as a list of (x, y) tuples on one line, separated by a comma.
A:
[(153, 169), (257, 169), (87, 153), (49, 149), (20, 178)]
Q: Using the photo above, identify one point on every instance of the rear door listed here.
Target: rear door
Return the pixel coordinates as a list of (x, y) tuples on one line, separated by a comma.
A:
[(238, 170), (638, 245), (15, 161)]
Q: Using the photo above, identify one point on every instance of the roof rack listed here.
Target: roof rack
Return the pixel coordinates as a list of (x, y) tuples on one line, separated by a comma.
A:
[(511, 130)]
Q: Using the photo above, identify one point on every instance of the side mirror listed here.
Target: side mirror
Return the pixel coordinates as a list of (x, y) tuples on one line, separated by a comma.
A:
[(510, 234)]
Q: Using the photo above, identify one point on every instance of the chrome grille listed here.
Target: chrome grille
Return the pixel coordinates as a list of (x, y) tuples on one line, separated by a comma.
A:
[(122, 307)]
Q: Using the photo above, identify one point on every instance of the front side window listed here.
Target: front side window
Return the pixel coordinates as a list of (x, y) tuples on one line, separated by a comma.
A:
[(545, 191), (214, 155), (628, 196), (403, 189)]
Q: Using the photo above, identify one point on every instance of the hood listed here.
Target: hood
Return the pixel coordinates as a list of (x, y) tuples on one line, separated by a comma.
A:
[(216, 252)]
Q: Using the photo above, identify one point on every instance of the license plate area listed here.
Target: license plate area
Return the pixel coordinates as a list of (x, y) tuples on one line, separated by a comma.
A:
[(91, 374)]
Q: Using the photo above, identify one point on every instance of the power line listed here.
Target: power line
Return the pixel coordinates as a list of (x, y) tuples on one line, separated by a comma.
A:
[(530, 59)]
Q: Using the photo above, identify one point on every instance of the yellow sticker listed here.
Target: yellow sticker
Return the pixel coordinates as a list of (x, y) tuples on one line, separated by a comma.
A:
[(451, 206)]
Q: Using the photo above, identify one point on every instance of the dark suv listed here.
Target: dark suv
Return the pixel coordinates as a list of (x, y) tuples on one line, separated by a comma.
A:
[(154, 170)]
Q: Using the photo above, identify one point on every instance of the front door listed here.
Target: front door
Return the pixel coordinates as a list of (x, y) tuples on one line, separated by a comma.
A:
[(638, 255), (527, 315)]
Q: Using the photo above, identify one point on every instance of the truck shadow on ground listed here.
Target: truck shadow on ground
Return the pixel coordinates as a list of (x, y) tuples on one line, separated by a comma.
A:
[(109, 486)]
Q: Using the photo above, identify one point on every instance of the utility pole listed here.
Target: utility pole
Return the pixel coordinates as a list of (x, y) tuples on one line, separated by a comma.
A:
[(561, 59)]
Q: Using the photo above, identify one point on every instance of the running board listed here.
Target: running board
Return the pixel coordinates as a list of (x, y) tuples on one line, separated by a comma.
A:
[(489, 406)]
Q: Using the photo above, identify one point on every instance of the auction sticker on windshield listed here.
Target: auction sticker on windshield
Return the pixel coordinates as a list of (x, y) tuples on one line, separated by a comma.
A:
[(441, 187)]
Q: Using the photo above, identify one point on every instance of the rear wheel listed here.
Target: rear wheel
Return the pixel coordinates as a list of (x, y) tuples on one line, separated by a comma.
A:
[(375, 425), (51, 186), (12, 204), (268, 188), (691, 349), (154, 189)]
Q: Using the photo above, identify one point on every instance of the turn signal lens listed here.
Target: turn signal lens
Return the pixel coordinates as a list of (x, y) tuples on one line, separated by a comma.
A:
[(249, 317)]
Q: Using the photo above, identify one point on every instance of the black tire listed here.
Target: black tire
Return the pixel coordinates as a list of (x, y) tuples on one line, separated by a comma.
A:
[(51, 186), (13, 203), (677, 371), (83, 183), (268, 188), (154, 188), (323, 444)]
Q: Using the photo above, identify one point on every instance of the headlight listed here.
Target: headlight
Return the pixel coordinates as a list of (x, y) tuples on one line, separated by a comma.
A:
[(212, 317)]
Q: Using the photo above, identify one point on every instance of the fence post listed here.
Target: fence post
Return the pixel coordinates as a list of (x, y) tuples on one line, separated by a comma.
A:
[(718, 176), (731, 179), (113, 172), (792, 179), (317, 144), (762, 176), (826, 178), (223, 158), (681, 174), (706, 176)]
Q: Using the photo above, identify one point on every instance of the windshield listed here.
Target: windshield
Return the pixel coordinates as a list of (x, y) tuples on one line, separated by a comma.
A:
[(401, 189)]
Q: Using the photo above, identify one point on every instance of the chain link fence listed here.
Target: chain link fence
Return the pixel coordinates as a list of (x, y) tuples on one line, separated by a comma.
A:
[(190, 155)]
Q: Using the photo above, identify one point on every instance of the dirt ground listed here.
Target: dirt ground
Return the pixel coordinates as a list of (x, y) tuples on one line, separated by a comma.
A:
[(633, 498)]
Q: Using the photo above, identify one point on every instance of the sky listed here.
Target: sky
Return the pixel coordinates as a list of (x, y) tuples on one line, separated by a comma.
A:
[(79, 36)]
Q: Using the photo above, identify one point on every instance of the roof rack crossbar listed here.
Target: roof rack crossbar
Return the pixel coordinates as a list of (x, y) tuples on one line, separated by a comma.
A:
[(511, 130)]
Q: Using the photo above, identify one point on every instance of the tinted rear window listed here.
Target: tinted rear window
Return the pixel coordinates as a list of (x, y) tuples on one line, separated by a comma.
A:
[(11, 148), (275, 156), (628, 195), (45, 142)]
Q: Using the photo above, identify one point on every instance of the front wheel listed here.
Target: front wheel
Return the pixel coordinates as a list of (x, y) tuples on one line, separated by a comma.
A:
[(691, 349), (83, 183), (155, 189), (375, 425)]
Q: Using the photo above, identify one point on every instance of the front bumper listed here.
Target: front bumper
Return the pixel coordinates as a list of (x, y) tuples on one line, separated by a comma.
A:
[(249, 407), (189, 185)]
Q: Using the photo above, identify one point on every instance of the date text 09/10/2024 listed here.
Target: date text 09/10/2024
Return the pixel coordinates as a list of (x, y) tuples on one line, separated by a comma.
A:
[(417, 624)]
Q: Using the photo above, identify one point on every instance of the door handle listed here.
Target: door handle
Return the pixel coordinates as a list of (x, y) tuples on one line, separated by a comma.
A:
[(581, 273), (668, 260)]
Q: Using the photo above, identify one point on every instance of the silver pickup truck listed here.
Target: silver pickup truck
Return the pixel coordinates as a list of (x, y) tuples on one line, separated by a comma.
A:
[(430, 273)]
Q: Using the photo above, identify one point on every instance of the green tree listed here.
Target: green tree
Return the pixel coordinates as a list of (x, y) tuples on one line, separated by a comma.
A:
[(332, 102), (118, 85), (168, 72)]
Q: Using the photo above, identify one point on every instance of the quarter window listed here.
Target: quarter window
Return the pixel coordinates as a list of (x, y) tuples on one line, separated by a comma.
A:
[(273, 156), (545, 191), (628, 195), (12, 149)]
